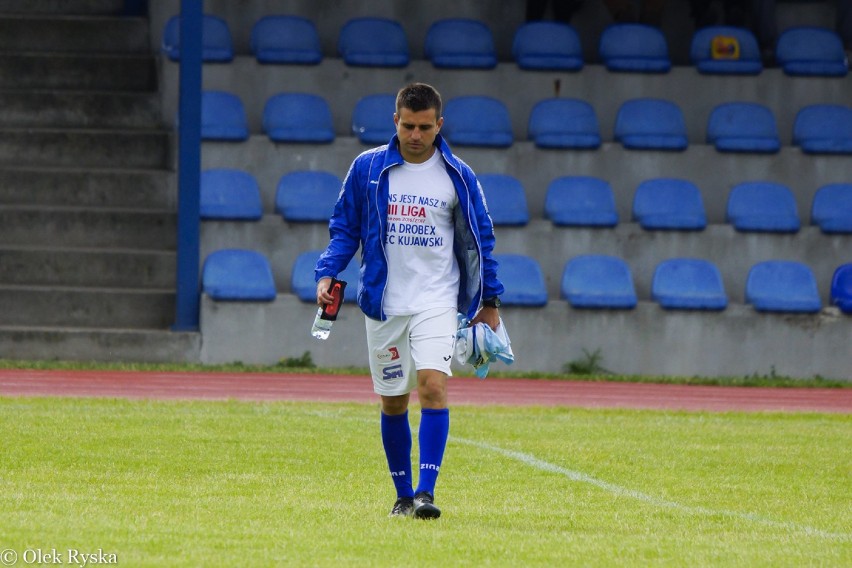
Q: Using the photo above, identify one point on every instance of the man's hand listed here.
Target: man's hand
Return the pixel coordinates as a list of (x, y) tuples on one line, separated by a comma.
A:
[(323, 297), (489, 316)]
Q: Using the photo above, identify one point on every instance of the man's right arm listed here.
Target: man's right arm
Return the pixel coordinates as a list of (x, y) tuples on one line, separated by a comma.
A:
[(344, 228)]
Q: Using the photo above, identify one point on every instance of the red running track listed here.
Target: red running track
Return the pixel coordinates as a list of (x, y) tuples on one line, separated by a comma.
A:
[(462, 390)]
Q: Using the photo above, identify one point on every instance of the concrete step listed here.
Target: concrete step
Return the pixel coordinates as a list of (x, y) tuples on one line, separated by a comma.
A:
[(79, 7), (85, 148), (77, 72), (112, 268), (86, 307), (79, 109), (70, 34), (89, 228), (91, 188)]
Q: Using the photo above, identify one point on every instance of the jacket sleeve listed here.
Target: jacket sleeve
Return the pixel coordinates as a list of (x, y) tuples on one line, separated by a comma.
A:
[(491, 285), (344, 228)]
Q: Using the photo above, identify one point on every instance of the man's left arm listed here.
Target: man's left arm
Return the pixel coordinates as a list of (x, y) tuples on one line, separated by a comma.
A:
[(492, 288)]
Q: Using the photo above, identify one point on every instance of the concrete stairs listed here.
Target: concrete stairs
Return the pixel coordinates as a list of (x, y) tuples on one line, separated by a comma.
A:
[(87, 188)]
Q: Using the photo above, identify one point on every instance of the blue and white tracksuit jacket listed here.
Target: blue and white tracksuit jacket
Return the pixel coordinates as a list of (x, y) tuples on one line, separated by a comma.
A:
[(360, 220)]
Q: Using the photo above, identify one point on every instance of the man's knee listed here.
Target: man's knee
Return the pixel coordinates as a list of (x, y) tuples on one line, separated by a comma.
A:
[(432, 388)]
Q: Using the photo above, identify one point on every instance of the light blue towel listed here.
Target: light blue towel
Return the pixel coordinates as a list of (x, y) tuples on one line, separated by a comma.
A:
[(479, 346)]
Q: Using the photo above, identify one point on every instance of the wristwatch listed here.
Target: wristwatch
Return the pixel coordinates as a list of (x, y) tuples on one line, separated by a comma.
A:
[(492, 302)]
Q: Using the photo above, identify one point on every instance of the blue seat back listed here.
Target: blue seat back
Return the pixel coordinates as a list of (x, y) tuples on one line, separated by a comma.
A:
[(507, 201), (223, 117), (598, 281), (216, 44), (291, 40), (372, 118), (811, 51), (666, 203), (237, 275), (460, 43), (229, 194), (823, 129), (651, 124), (547, 46), (304, 286), (307, 196), (688, 284), (477, 121), (582, 201), (736, 53), (636, 48), (762, 207), (831, 208), (743, 127), (564, 123), (841, 288), (522, 279), (298, 118), (782, 286), (373, 42)]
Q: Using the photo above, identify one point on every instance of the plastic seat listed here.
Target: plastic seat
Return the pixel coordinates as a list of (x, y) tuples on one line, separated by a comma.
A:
[(688, 284), (831, 208), (782, 286), (373, 42), (298, 117), (841, 288), (547, 46), (665, 203), (216, 44), (290, 40), (650, 124), (743, 127), (823, 129), (564, 123), (507, 201), (581, 201), (229, 195), (477, 121), (811, 51), (636, 48), (522, 279), (304, 286), (223, 117), (238, 275), (460, 43), (598, 281), (762, 207), (725, 50), (307, 197), (372, 119)]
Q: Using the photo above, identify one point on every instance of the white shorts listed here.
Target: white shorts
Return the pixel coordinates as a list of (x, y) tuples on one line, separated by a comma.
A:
[(401, 345)]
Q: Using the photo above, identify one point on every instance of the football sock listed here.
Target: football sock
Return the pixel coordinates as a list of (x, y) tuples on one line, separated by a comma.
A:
[(434, 429), (396, 438)]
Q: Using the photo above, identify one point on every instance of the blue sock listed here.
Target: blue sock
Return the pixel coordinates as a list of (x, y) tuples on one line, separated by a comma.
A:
[(434, 429), (396, 438)]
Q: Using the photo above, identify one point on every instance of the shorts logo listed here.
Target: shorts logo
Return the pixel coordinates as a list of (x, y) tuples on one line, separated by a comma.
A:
[(392, 372), (390, 354)]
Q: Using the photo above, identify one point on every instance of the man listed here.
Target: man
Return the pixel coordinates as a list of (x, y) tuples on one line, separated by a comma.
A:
[(418, 214)]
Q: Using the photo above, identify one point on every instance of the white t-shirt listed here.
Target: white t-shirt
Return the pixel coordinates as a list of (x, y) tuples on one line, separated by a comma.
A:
[(422, 270)]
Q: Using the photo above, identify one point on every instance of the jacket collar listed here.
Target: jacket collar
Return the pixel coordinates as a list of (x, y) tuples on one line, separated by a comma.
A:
[(393, 157)]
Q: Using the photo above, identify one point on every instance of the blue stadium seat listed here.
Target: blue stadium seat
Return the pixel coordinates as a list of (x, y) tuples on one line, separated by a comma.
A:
[(547, 46), (372, 118), (831, 208), (216, 44), (507, 201), (223, 117), (290, 40), (811, 51), (651, 124), (581, 201), (229, 194), (307, 196), (636, 48), (238, 275), (841, 288), (688, 284), (762, 207), (477, 121), (725, 50), (460, 43), (298, 117), (302, 277), (564, 123), (666, 203), (522, 279), (782, 286), (373, 42), (598, 281), (823, 129), (743, 127)]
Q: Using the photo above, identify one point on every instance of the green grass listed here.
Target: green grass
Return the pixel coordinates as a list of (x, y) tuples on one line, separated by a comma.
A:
[(263, 484)]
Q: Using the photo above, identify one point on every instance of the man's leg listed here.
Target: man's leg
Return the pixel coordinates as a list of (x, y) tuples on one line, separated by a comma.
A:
[(434, 430)]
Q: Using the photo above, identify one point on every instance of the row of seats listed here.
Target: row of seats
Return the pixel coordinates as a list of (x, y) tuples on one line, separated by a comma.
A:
[(583, 201), (588, 281), (556, 123), (469, 44)]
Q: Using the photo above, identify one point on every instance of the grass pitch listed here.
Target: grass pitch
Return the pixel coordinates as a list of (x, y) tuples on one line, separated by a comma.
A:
[(264, 484)]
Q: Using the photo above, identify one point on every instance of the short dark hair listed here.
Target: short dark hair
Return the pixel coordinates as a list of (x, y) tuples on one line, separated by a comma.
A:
[(419, 96)]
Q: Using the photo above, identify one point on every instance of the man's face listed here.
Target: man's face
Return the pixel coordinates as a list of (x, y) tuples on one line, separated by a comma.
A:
[(416, 132)]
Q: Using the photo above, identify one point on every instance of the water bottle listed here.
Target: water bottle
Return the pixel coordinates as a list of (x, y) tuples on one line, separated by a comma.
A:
[(327, 314)]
